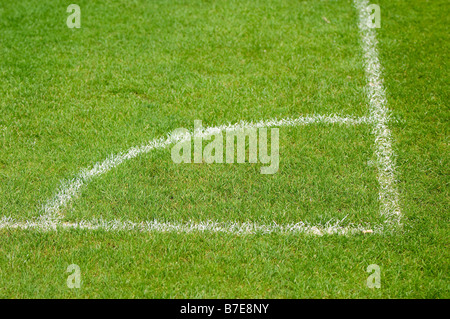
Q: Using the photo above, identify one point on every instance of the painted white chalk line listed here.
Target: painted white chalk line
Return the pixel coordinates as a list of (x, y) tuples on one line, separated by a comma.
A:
[(388, 194), (52, 210), (70, 189), (240, 228)]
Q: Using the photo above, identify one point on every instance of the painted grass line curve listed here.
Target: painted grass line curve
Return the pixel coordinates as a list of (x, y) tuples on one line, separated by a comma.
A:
[(52, 210)]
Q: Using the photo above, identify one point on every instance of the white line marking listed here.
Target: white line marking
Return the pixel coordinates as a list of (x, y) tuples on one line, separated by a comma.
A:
[(52, 217), (238, 228), (388, 194), (70, 189)]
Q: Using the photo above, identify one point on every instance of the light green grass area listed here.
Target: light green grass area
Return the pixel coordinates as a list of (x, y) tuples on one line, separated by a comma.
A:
[(137, 70)]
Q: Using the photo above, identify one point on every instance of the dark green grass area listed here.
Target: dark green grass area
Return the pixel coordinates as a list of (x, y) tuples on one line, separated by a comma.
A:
[(138, 69), (205, 265), (324, 174)]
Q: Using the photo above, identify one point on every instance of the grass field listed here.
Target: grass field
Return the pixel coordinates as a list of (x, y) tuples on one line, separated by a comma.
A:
[(137, 70)]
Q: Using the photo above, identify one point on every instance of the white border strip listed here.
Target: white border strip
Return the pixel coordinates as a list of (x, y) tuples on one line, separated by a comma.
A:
[(388, 194), (238, 228)]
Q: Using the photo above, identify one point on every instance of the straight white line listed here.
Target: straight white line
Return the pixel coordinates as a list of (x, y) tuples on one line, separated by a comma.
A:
[(237, 228), (388, 195)]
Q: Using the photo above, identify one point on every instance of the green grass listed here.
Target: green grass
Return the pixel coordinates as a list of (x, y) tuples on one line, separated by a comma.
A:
[(139, 69)]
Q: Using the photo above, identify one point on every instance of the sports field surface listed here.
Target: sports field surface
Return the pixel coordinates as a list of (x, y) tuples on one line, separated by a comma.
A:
[(87, 117)]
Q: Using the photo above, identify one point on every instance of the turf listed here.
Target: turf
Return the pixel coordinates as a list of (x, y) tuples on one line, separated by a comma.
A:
[(136, 70)]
